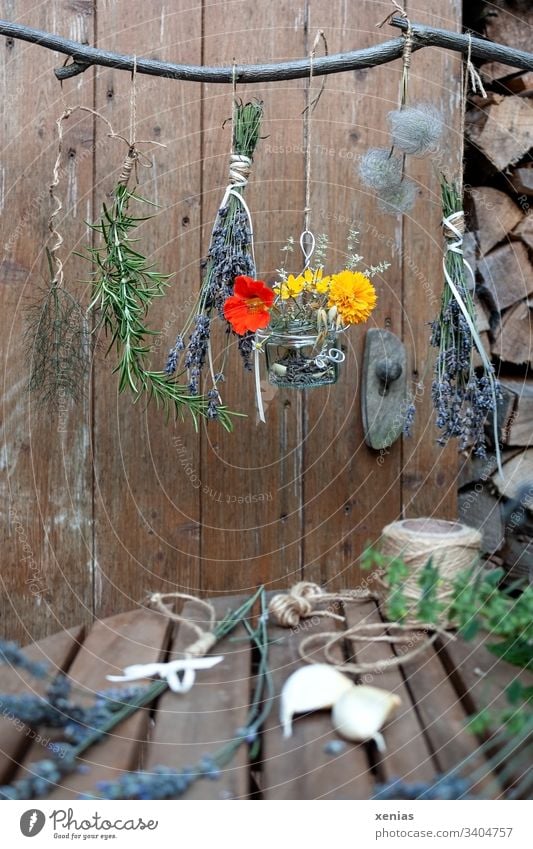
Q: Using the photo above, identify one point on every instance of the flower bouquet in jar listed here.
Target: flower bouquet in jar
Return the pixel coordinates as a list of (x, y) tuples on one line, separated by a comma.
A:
[(297, 322)]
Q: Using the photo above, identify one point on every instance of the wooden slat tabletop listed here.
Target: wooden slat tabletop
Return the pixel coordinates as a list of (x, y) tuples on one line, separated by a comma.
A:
[(427, 735)]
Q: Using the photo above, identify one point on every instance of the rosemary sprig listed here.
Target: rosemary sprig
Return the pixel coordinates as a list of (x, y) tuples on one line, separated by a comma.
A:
[(125, 285)]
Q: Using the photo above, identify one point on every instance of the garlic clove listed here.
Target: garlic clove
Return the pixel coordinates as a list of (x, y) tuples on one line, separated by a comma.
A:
[(361, 712), (314, 687)]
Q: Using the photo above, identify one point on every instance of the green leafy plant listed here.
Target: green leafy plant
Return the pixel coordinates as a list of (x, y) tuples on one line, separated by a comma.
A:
[(125, 285), (57, 345)]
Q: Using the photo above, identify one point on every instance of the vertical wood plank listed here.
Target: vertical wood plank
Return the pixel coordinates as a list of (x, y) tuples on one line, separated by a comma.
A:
[(46, 475), (146, 499), (251, 515), (429, 472), (350, 491)]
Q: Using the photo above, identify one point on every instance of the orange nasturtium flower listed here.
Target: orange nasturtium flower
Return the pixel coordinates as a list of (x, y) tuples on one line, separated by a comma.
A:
[(248, 309)]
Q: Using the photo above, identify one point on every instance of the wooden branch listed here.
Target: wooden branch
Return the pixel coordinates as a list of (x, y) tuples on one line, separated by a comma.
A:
[(83, 56)]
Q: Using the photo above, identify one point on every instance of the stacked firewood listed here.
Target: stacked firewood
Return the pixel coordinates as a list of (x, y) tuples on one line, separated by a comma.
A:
[(499, 247)]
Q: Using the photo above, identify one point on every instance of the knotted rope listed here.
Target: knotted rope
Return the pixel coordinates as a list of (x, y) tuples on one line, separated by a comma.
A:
[(205, 638), (303, 599)]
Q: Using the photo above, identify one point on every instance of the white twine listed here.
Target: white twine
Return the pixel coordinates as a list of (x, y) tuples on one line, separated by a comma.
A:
[(457, 248), (169, 671)]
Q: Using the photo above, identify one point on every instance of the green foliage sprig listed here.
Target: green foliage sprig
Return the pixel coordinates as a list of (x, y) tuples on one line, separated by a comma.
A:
[(125, 285), (57, 345)]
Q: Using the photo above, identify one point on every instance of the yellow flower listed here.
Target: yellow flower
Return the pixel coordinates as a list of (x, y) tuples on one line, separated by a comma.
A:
[(314, 282), (353, 294)]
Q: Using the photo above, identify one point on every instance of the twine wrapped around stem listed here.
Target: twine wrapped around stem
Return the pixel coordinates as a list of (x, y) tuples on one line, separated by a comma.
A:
[(205, 638)]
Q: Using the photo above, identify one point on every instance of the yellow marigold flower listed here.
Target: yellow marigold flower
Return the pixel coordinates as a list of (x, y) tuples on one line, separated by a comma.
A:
[(353, 294)]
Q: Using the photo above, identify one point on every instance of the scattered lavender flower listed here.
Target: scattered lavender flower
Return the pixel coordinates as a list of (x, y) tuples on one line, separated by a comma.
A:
[(441, 787), (416, 129), (334, 747), (12, 655), (44, 776), (379, 169), (398, 199)]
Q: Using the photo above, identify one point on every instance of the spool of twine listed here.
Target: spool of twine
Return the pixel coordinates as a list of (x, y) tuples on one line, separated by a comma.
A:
[(452, 547)]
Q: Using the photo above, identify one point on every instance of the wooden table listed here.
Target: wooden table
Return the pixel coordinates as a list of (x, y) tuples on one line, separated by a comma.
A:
[(426, 736)]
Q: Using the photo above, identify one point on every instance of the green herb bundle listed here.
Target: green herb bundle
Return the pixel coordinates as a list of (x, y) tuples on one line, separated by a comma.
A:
[(57, 345), (125, 285)]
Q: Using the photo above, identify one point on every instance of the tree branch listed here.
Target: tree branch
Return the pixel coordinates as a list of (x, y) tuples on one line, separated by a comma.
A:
[(83, 56)]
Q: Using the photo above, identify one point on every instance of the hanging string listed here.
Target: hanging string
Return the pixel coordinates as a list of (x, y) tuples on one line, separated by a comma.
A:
[(55, 259), (307, 239)]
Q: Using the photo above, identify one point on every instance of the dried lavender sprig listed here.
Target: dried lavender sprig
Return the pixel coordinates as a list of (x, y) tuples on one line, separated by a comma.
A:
[(12, 655)]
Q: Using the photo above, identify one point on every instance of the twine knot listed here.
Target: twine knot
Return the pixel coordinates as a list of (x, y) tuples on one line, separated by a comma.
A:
[(454, 225), (298, 603), (202, 645), (127, 165), (239, 169)]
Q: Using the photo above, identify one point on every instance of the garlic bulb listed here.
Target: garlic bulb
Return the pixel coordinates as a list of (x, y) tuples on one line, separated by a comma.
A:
[(360, 713), (314, 687)]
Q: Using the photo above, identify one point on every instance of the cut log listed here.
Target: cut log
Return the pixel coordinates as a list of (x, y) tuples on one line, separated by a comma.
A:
[(504, 130), (522, 180), (524, 231), (515, 414), (496, 214), (518, 474), (482, 315), (507, 274), (521, 84), (480, 508), (509, 23), (492, 72), (470, 249), (513, 338)]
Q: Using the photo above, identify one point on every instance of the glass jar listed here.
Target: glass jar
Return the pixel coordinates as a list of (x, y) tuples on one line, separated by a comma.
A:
[(297, 357)]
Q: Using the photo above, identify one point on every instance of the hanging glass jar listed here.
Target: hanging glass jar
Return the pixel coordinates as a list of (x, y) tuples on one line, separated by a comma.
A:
[(299, 357)]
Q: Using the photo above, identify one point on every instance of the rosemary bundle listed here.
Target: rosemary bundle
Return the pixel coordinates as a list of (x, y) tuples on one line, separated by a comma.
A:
[(230, 254), (57, 348), (125, 285), (462, 397)]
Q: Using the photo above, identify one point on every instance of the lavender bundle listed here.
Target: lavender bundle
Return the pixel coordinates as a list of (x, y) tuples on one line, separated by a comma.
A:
[(462, 397), (230, 254)]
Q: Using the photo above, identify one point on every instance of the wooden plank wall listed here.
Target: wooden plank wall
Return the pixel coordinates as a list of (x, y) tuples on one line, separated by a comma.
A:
[(118, 503)]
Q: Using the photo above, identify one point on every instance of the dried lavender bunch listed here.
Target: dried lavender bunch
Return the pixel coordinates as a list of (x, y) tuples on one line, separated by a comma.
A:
[(380, 169), (417, 129), (57, 346), (229, 255), (462, 397)]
